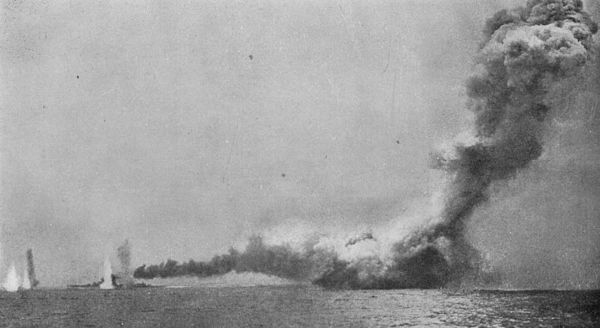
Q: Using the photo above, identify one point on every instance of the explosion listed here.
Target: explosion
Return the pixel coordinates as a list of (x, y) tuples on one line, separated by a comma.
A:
[(527, 52)]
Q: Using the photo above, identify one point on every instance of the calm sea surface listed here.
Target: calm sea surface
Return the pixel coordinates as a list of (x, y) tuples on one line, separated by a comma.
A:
[(297, 306)]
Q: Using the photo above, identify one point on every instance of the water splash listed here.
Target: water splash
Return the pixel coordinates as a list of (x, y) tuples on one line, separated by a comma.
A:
[(11, 284), (107, 277)]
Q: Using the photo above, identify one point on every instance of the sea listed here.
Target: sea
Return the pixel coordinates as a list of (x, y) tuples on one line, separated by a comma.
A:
[(296, 306)]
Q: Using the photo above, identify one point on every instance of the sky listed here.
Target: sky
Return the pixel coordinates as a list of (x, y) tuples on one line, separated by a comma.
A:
[(186, 127)]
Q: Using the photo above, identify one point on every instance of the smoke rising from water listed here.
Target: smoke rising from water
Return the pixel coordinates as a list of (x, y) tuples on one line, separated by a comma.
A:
[(527, 53), (33, 282)]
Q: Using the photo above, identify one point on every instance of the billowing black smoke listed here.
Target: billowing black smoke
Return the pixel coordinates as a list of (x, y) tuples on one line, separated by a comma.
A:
[(527, 52), (258, 257)]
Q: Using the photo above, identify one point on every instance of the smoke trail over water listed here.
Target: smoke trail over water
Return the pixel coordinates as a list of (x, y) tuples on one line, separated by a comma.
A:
[(526, 53)]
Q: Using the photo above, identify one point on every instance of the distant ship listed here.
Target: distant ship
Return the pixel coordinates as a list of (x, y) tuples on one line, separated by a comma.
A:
[(97, 284), (111, 281)]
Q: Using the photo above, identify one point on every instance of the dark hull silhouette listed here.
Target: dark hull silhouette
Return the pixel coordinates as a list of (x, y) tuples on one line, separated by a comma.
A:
[(115, 284)]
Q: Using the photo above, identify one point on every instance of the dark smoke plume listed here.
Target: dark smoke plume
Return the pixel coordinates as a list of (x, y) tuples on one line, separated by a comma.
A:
[(523, 58), (527, 52), (31, 269)]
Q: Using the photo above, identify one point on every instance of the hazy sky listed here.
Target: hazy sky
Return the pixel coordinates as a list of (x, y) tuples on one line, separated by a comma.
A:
[(185, 127)]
